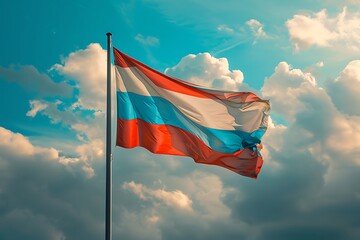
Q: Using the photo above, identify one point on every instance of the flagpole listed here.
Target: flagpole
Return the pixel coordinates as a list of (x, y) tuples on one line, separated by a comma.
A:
[(108, 214)]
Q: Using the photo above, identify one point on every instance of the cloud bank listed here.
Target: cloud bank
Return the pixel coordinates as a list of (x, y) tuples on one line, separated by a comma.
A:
[(306, 188)]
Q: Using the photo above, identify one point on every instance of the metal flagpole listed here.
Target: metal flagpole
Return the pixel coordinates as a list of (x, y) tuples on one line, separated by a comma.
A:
[(108, 214)]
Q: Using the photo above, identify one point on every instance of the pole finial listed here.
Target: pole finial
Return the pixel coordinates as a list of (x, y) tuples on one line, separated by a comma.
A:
[(108, 34)]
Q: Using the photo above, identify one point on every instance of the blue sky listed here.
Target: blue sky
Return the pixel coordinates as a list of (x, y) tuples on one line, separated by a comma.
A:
[(302, 55)]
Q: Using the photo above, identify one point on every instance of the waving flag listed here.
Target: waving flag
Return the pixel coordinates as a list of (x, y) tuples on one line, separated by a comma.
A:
[(169, 116)]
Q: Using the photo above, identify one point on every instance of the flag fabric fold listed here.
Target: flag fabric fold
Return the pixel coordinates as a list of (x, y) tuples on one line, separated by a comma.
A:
[(170, 116)]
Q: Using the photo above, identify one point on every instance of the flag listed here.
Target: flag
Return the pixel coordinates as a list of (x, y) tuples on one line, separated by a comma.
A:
[(167, 115)]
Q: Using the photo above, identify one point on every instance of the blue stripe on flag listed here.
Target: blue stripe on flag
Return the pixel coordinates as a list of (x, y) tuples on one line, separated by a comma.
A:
[(157, 110)]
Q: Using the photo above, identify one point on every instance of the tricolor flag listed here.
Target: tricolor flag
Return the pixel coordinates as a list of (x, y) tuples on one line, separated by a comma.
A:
[(169, 116)]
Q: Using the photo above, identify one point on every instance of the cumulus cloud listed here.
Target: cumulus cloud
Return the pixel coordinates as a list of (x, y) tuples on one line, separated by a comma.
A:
[(208, 71), (171, 198), (87, 67), (311, 164), (314, 68), (149, 40), (320, 126), (310, 161), (16, 144), (91, 147), (85, 116), (28, 77), (89, 131), (320, 30), (345, 89), (19, 145), (129, 226), (43, 197), (285, 87), (161, 209), (209, 201)]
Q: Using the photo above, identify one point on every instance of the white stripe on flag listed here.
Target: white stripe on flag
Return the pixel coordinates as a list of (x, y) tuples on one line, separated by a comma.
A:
[(211, 113)]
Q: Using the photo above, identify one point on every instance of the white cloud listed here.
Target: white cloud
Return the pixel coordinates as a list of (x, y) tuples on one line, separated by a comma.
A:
[(314, 69), (128, 227), (43, 197), (308, 158), (35, 107), (314, 122), (256, 28), (87, 67), (149, 40), (313, 158), (273, 141), (284, 88), (86, 117), (90, 131), (200, 201), (204, 200), (344, 139), (209, 200), (225, 28), (51, 109), (174, 198), (341, 32), (345, 89), (208, 71), (16, 144)]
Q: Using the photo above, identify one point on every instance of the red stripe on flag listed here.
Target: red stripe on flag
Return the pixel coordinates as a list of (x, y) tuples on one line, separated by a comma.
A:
[(159, 79), (177, 85), (166, 139), (123, 60)]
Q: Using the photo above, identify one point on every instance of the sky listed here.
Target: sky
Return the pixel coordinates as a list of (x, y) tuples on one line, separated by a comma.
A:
[(304, 56)]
